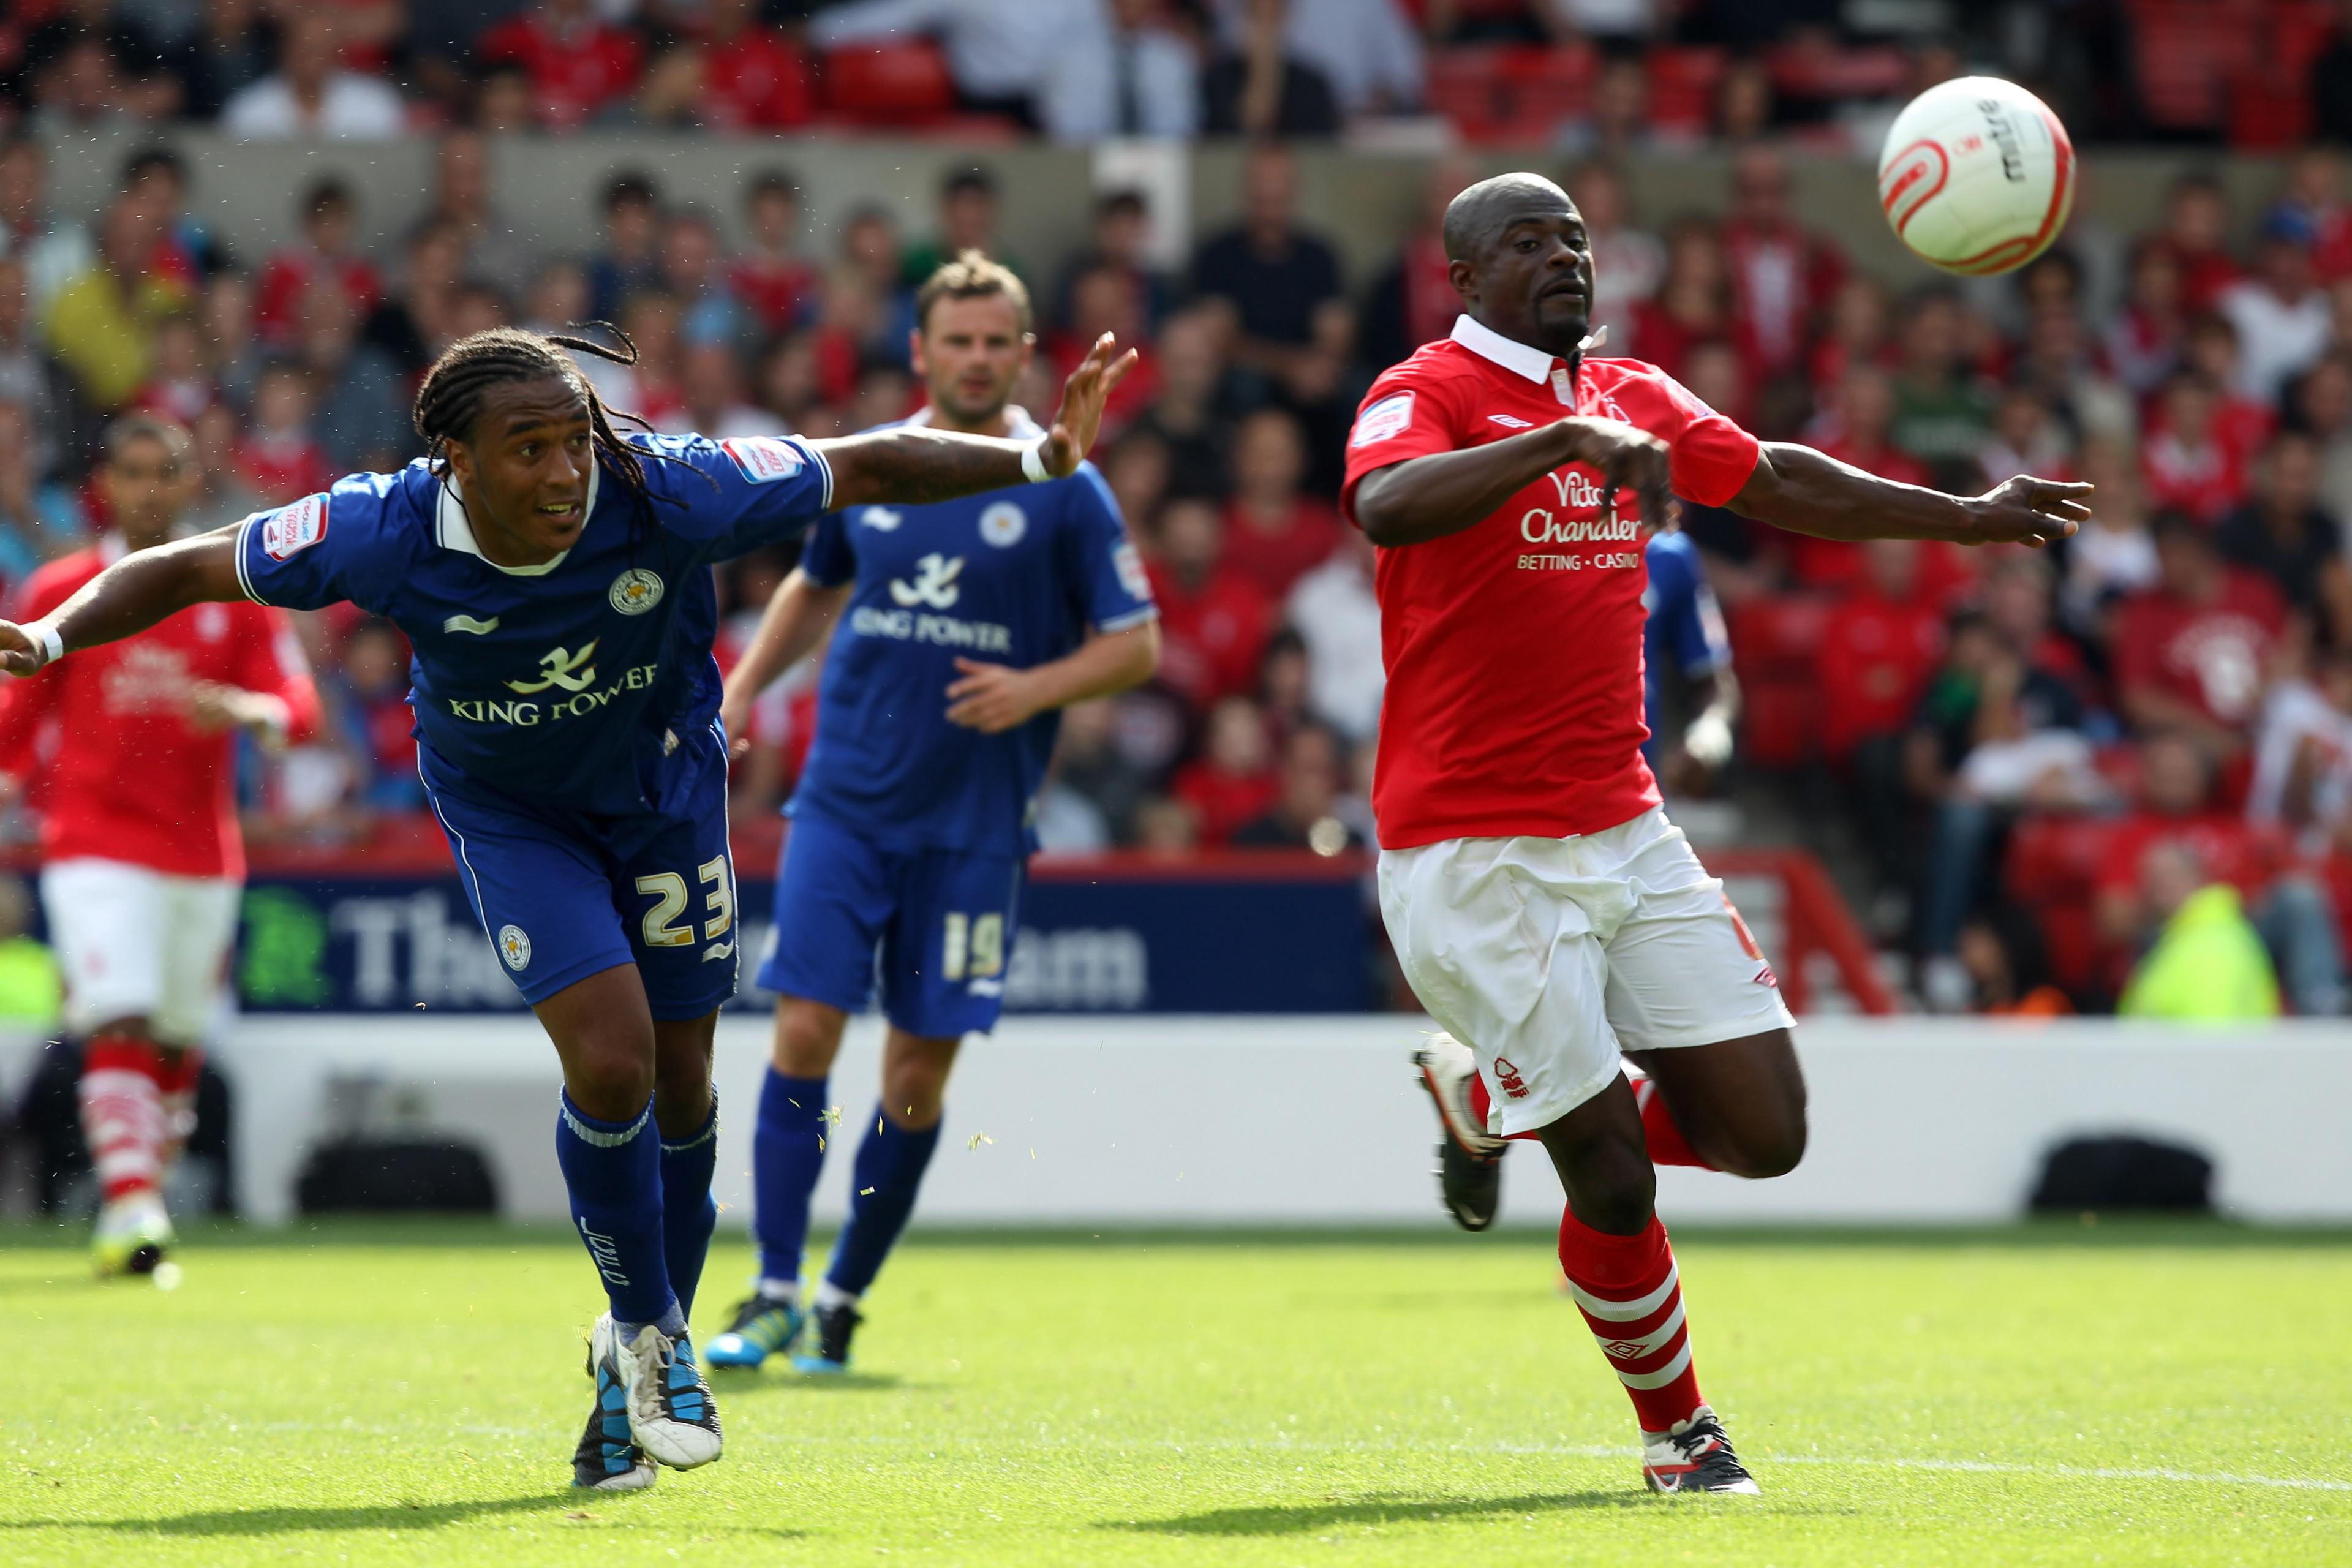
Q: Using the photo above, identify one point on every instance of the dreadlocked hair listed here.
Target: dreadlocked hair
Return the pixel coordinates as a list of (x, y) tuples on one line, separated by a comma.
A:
[(449, 402)]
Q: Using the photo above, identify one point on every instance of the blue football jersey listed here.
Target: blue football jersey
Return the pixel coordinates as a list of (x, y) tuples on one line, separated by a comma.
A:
[(1013, 576), (1685, 625), (567, 683)]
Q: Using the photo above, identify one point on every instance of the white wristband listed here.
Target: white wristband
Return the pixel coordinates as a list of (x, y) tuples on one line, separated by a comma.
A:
[(43, 633), (1033, 462)]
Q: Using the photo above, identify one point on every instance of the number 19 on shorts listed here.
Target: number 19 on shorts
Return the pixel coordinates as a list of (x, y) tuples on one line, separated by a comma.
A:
[(974, 948)]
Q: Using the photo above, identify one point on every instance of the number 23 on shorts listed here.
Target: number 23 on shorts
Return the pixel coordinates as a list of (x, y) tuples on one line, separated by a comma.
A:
[(669, 892)]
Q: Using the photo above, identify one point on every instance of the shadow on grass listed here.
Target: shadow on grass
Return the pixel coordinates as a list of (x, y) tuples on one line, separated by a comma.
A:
[(332, 1517), (736, 1382), (1299, 1519)]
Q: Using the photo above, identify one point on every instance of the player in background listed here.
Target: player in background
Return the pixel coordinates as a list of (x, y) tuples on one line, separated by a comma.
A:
[(1542, 907), (142, 860), (971, 623), (554, 579), (1685, 633)]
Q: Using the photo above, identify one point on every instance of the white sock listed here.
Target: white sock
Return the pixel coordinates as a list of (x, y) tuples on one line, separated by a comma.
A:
[(830, 1296), (788, 1291)]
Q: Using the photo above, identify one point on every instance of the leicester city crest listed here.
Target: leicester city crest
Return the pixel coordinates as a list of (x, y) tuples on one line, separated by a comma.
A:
[(514, 947), (636, 591), (1002, 524)]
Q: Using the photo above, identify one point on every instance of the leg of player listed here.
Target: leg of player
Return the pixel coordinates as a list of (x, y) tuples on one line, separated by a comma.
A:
[(125, 1120), (891, 1159), (787, 1154), (610, 1151), (686, 1112), (1736, 1106), (1621, 1269)]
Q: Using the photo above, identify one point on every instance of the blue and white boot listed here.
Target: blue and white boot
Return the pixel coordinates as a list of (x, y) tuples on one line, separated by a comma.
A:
[(764, 1326), (671, 1414), (608, 1459)]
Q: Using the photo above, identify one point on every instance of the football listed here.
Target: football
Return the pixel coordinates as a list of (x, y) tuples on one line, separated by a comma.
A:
[(1977, 176)]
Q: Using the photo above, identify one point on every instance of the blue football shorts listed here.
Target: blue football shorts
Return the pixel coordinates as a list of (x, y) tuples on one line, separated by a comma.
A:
[(565, 895), (931, 928)]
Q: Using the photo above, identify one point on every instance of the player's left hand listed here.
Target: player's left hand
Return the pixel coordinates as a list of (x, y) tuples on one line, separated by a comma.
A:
[(989, 698), (2029, 512), (1083, 396), (214, 706)]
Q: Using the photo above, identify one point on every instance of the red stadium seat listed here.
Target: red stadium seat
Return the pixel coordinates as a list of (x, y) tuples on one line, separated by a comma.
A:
[(1510, 94), (1683, 83), (890, 84)]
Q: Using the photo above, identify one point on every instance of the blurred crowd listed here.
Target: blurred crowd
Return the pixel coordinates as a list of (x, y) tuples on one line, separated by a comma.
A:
[(1579, 75)]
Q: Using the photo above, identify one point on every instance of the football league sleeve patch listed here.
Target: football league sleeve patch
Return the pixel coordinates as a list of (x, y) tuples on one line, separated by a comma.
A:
[(289, 556), (1108, 571), (752, 490)]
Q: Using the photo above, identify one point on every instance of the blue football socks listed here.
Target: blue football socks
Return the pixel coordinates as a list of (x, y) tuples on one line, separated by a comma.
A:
[(613, 1172), (889, 1172), (787, 1152), (689, 1213)]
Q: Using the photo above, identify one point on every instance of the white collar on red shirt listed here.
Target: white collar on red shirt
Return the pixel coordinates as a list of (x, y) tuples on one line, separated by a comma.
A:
[(1524, 360), (453, 529)]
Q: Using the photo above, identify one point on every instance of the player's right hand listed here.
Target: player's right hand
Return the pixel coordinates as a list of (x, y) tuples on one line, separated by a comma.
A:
[(19, 655), (2030, 511), (735, 718), (1083, 397), (1630, 459)]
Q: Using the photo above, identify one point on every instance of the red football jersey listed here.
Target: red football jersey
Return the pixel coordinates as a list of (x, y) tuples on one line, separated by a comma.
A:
[(2211, 656), (126, 777), (1514, 647)]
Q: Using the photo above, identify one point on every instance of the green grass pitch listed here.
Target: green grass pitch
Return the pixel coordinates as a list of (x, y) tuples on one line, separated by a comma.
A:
[(2129, 1395)]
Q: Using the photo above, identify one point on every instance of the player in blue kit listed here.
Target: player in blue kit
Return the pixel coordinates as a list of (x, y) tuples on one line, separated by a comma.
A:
[(963, 630), (1685, 633), (554, 579)]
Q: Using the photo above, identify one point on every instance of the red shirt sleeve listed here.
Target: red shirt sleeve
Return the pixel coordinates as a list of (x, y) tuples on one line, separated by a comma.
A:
[(1409, 413), (1712, 457), (271, 661)]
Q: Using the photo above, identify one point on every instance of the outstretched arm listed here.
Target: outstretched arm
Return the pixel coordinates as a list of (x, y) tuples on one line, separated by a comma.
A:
[(128, 597), (1807, 491), (912, 466), (1428, 498)]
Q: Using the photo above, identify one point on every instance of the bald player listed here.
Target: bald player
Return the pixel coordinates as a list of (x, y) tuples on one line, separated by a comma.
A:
[(1546, 912)]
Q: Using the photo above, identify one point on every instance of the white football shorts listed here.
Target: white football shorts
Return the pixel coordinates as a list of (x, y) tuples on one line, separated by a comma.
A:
[(136, 943), (1549, 957)]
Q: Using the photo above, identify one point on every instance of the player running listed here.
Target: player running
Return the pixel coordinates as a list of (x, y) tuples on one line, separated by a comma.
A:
[(554, 579), (972, 625), (141, 855), (1543, 909)]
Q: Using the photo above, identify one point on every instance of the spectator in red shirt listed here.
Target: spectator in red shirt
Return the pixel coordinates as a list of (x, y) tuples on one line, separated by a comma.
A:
[(1413, 301), (1860, 331), (1855, 431), (2184, 464), (280, 457), (580, 64), (1693, 305), (1233, 780), (1213, 622), (2192, 652), (2240, 423), (1878, 651), (178, 388), (1108, 298), (1304, 815), (775, 284), (1782, 278), (733, 72), (329, 216), (2195, 232), (2283, 534), (2176, 812), (1275, 533)]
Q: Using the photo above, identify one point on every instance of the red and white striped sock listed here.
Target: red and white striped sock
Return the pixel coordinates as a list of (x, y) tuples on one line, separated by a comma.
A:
[(1631, 1299), (176, 1082), (122, 1113), (1667, 1144)]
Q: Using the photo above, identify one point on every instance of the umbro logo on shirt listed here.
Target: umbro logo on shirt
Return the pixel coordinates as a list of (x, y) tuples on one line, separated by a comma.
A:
[(1508, 422)]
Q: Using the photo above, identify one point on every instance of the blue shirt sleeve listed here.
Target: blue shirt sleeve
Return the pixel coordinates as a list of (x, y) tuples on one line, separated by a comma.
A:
[(1114, 593), (323, 549), (741, 494), (829, 559), (1684, 609)]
